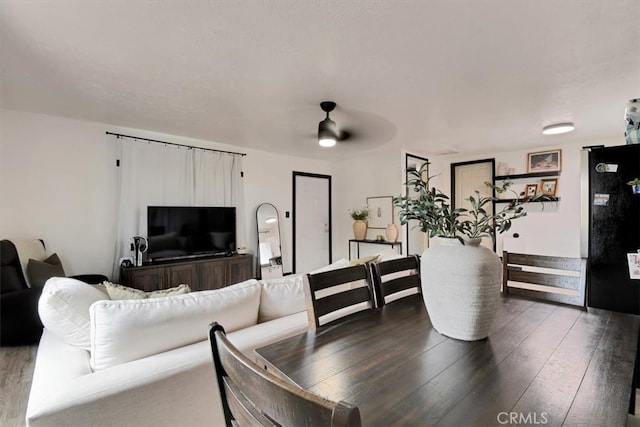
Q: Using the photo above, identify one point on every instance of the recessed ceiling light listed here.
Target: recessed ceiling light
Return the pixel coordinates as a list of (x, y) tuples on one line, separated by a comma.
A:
[(558, 128)]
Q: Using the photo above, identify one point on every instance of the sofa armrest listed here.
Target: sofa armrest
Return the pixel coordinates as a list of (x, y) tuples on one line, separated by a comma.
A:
[(177, 387)]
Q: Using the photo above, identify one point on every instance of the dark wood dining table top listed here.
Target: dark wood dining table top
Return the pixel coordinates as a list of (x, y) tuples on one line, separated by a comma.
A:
[(542, 364)]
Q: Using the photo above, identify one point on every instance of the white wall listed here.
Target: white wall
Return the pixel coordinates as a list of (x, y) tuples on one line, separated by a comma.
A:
[(268, 177), (550, 228), (58, 183), (374, 174)]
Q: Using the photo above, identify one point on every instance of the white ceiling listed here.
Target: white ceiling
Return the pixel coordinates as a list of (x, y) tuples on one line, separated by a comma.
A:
[(428, 76)]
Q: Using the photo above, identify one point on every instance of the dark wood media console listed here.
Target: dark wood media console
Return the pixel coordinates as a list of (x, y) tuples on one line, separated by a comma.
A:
[(199, 273)]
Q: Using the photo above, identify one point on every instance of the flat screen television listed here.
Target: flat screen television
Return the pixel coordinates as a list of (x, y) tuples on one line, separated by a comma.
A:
[(175, 232)]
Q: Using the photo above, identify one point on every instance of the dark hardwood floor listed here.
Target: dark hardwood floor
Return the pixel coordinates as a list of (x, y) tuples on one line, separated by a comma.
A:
[(16, 370)]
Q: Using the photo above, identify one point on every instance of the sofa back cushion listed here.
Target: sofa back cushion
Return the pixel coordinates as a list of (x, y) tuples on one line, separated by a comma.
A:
[(64, 309), (126, 330), (281, 297), (11, 277)]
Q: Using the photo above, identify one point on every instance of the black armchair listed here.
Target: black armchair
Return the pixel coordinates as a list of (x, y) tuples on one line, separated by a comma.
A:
[(19, 320)]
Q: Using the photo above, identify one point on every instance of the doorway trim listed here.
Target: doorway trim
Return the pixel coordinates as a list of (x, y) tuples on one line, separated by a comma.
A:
[(491, 161), (414, 160), (293, 222)]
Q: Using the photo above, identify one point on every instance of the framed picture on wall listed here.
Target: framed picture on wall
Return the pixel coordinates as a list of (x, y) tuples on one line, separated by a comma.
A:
[(530, 191), (549, 186), (380, 211), (545, 161)]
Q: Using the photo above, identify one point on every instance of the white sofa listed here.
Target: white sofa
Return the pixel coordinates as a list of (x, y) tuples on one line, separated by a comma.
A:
[(147, 362)]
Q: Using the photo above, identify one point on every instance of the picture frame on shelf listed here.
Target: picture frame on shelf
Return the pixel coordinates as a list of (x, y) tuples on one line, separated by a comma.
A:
[(380, 211), (549, 187), (545, 161), (530, 191)]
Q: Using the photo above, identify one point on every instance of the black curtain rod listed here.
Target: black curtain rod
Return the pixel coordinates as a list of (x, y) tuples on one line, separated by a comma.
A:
[(120, 135)]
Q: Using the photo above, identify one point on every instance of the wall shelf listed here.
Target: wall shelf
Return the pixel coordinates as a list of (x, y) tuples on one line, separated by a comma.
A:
[(526, 175)]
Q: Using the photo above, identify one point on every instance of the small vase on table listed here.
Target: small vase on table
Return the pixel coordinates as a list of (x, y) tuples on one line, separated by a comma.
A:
[(359, 229)]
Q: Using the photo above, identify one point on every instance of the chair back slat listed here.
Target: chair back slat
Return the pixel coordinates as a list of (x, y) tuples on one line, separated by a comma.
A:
[(394, 276), (347, 298), (337, 293), (252, 395), (558, 279)]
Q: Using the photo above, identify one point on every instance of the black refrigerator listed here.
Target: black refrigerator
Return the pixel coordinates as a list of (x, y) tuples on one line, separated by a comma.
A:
[(613, 227)]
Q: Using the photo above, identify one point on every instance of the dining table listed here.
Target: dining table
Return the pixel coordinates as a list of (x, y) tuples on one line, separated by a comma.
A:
[(542, 364)]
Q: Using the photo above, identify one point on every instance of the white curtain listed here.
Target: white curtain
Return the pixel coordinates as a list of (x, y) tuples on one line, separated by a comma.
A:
[(152, 174)]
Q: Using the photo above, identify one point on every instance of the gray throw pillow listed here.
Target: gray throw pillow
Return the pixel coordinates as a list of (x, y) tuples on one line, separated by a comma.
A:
[(41, 271)]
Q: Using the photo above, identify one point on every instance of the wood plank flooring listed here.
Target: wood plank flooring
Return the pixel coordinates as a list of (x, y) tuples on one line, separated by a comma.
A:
[(16, 370)]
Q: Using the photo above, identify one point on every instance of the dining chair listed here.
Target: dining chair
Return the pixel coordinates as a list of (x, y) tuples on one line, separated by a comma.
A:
[(396, 278), (253, 396), (552, 278), (334, 294)]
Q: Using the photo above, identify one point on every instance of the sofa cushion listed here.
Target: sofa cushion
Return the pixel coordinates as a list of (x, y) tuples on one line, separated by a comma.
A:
[(116, 291), (341, 263), (126, 330), (281, 297), (64, 309), (41, 271)]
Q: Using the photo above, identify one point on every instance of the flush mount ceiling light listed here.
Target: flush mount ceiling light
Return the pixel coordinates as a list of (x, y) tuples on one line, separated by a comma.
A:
[(558, 128), (327, 132)]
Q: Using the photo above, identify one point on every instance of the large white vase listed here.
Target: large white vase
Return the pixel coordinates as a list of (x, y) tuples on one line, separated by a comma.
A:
[(461, 287)]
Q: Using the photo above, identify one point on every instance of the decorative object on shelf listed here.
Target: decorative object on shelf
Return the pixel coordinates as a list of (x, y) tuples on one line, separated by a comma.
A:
[(460, 278), (380, 210), (500, 190), (549, 187), (632, 121), (530, 191), (545, 161), (502, 168), (359, 225), (635, 185), (391, 232)]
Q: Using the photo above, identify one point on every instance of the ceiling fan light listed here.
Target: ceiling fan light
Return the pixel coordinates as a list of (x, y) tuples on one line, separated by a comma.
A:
[(558, 128), (327, 133), (327, 142)]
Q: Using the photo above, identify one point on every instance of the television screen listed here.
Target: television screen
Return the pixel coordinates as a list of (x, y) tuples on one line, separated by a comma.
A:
[(183, 231)]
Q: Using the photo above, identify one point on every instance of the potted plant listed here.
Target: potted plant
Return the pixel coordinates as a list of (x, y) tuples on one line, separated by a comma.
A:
[(360, 217), (460, 278), (635, 185)]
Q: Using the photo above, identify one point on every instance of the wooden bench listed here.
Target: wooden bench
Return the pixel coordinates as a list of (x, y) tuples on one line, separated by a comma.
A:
[(558, 279)]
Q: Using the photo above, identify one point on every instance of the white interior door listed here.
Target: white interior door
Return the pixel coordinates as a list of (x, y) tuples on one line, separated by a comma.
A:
[(466, 179), (311, 221)]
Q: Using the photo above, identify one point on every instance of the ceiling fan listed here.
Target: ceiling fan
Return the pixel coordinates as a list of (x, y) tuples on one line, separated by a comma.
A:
[(328, 133)]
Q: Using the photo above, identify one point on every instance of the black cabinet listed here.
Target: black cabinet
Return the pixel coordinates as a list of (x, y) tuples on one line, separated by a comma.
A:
[(614, 228)]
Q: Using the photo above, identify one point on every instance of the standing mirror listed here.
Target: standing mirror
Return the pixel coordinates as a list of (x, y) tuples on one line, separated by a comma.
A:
[(269, 249)]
